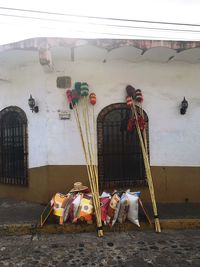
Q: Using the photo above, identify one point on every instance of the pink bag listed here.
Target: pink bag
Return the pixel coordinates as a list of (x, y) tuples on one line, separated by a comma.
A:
[(104, 202)]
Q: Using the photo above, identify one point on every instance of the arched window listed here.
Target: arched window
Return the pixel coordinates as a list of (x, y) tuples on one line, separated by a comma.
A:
[(13, 146), (120, 157)]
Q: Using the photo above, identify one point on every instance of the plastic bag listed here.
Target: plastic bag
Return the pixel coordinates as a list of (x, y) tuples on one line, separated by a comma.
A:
[(133, 207)]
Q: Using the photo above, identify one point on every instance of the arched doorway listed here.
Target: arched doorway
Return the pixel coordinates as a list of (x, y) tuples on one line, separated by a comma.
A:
[(13, 146), (120, 159)]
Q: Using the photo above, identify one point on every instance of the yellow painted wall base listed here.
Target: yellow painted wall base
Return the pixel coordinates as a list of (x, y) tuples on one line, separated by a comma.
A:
[(172, 184)]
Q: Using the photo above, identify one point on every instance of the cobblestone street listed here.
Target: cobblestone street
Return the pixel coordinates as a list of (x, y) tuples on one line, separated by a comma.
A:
[(170, 248)]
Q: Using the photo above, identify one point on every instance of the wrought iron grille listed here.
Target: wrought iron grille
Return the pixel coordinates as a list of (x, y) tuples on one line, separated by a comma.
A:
[(120, 157), (13, 147)]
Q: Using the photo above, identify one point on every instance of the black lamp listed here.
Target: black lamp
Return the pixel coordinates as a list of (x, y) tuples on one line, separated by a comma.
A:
[(31, 103), (184, 106)]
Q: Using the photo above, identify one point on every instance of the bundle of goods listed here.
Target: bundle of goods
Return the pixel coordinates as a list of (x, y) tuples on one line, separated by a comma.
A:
[(74, 206), (77, 206), (119, 206)]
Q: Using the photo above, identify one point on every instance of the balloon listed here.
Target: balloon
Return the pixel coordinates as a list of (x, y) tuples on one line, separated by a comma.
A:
[(75, 97), (130, 90), (69, 95), (93, 98), (84, 89), (129, 101), (77, 87), (138, 96)]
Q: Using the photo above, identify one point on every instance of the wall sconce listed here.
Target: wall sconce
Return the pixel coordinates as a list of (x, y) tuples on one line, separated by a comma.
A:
[(31, 103), (184, 106)]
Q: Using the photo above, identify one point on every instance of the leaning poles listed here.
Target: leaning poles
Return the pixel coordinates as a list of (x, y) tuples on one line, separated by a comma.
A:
[(139, 99), (78, 99), (131, 104)]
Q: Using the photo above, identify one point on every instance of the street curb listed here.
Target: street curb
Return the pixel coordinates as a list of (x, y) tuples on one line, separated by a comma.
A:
[(30, 229), (17, 229), (180, 223)]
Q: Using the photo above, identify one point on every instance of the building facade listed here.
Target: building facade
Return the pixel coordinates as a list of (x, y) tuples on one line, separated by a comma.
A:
[(52, 158)]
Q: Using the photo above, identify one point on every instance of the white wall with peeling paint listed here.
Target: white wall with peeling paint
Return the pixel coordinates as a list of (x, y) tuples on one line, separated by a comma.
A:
[(174, 138)]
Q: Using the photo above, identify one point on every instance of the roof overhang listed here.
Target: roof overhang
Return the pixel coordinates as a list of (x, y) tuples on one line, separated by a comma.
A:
[(99, 50)]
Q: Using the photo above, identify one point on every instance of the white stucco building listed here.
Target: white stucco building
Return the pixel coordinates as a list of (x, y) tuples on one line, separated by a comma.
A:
[(157, 52)]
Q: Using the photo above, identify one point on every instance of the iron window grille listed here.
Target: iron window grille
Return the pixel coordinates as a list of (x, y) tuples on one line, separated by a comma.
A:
[(13, 146), (120, 160)]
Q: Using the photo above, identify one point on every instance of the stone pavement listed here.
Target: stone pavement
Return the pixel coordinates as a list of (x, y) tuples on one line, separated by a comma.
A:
[(178, 248)]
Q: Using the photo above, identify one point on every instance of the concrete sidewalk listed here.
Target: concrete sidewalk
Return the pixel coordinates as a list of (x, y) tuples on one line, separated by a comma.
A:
[(19, 217)]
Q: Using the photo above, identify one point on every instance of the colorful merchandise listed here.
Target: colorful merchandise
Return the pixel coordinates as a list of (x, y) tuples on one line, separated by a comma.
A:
[(74, 207), (104, 203), (77, 87), (138, 96), (116, 214), (69, 95), (112, 208), (86, 210), (84, 89), (75, 97), (129, 101), (67, 207), (124, 207), (130, 91), (93, 99), (60, 201)]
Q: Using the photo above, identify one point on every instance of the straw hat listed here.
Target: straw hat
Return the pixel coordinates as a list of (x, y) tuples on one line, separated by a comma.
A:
[(78, 186)]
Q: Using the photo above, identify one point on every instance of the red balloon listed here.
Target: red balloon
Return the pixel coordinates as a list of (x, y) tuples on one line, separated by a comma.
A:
[(129, 101), (93, 99), (139, 96), (69, 95)]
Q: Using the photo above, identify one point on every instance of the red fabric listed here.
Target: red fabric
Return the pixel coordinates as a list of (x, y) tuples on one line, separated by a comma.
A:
[(131, 124), (141, 123), (104, 208)]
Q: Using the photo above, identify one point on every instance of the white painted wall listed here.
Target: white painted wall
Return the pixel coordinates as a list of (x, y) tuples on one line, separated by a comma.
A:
[(174, 138)]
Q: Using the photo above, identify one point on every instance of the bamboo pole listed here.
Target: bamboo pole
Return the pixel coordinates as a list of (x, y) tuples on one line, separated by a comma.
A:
[(90, 172), (92, 177), (144, 210), (95, 197), (92, 163), (95, 145), (148, 172)]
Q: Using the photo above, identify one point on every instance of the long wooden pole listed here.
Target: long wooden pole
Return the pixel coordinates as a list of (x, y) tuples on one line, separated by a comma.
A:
[(90, 171), (92, 162), (92, 176), (148, 172)]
